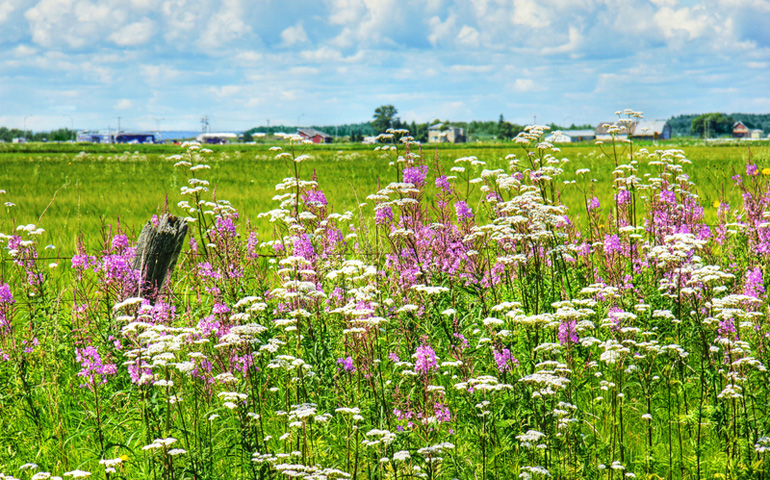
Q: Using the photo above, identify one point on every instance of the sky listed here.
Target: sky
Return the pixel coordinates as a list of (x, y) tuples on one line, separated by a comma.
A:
[(165, 64)]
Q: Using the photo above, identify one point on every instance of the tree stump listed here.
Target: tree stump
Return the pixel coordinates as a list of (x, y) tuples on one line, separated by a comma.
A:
[(157, 252)]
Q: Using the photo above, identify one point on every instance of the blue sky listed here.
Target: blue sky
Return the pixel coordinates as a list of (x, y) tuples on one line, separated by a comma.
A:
[(167, 63)]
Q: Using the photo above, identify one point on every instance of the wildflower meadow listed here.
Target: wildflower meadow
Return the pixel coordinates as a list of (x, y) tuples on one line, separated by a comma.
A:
[(458, 322)]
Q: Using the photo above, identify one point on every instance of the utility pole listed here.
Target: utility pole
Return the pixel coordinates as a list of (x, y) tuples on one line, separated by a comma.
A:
[(205, 124)]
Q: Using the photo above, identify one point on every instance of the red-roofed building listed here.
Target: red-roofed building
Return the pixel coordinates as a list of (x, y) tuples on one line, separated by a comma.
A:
[(314, 135)]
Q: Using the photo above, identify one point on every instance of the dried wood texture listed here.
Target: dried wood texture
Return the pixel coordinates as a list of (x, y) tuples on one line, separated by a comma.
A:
[(157, 252)]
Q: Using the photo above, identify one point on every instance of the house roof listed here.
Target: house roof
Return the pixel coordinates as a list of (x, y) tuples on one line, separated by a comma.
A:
[(739, 126), (579, 133), (602, 130), (649, 127), (312, 132)]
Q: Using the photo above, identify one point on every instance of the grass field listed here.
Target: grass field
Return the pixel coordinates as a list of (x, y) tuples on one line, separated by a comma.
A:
[(74, 190)]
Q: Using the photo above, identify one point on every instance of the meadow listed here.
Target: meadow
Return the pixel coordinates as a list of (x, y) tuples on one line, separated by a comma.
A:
[(82, 191), (474, 311)]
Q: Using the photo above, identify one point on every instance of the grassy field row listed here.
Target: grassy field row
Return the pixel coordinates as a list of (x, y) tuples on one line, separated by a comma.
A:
[(87, 189)]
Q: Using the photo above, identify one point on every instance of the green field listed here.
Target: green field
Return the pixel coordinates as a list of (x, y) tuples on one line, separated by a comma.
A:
[(71, 190)]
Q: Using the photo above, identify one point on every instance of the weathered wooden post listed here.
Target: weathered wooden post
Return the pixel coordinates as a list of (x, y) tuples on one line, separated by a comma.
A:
[(157, 252)]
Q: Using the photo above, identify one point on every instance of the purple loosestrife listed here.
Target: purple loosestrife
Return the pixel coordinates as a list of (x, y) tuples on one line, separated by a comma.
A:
[(93, 370)]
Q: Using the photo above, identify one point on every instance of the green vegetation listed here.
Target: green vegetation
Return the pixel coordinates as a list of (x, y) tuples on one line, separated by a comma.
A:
[(83, 190), (484, 311)]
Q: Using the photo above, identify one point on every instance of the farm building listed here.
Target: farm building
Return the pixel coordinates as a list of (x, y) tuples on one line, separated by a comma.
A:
[(314, 135), (571, 136), (740, 130), (112, 137), (757, 134), (651, 130), (440, 133), (128, 137), (602, 131), (216, 138), (640, 130)]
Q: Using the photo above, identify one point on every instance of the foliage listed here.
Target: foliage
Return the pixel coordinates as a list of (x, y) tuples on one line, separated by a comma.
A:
[(60, 135), (384, 116), (712, 125), (458, 322)]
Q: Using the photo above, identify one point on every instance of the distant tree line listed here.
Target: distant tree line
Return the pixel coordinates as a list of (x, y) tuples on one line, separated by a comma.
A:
[(386, 116), (60, 135), (716, 124)]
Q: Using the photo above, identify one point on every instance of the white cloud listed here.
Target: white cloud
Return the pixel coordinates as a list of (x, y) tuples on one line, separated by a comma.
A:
[(294, 35), (224, 27), (155, 74), (532, 13), (674, 23), (24, 51), (525, 85), (5, 11), (471, 68), (226, 90), (123, 104), (134, 34), (441, 31), (468, 36), (248, 57)]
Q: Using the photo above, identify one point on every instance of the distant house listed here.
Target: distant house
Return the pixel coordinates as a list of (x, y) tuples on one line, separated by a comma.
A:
[(216, 138), (440, 133), (740, 130), (651, 130), (602, 131), (96, 137), (757, 134), (314, 135), (571, 136)]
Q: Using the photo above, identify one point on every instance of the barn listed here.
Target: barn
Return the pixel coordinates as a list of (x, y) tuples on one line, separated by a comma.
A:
[(314, 135), (740, 130), (651, 130)]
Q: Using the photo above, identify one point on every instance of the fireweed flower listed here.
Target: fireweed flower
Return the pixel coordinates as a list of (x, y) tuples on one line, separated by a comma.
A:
[(346, 364), (93, 370), (416, 175), (425, 360), (504, 360), (463, 211)]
